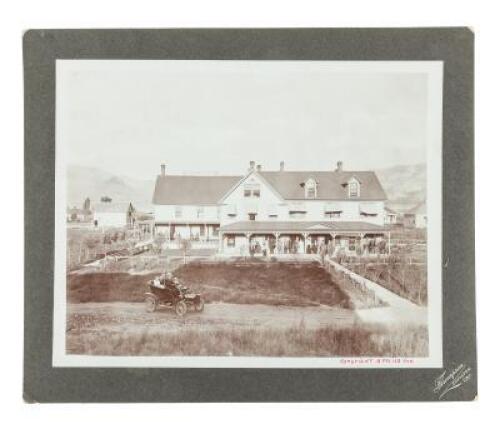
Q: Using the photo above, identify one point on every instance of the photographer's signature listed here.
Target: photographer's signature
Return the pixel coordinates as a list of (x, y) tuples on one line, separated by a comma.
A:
[(449, 381)]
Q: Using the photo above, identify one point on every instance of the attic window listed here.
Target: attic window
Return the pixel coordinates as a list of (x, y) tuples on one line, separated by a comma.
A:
[(311, 189), (353, 188), (251, 190)]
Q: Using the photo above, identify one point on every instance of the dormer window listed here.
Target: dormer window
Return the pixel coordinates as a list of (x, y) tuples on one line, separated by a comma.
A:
[(353, 188), (311, 189)]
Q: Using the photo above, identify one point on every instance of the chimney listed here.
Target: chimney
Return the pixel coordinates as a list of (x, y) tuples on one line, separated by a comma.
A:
[(163, 169), (339, 166), (282, 166), (252, 166), (259, 167)]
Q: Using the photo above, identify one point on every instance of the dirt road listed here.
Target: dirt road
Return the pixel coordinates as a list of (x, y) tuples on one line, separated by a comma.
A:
[(129, 316), (120, 316)]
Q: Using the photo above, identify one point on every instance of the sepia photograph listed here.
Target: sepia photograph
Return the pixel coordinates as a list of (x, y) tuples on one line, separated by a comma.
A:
[(248, 214)]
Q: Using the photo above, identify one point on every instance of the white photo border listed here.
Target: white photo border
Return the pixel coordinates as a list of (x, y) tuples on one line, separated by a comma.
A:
[(434, 71)]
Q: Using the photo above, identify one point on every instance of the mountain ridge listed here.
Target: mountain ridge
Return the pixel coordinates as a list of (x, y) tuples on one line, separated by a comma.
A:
[(405, 186)]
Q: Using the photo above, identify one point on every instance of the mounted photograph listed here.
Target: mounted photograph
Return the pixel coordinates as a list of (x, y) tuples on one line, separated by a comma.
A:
[(248, 214)]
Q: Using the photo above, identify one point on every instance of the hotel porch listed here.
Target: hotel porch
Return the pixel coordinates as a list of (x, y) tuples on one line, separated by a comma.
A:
[(252, 238)]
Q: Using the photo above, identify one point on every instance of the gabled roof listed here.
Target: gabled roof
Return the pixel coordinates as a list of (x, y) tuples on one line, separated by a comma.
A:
[(192, 189), (117, 207), (199, 190), (78, 211), (111, 207), (331, 184), (143, 216), (242, 179), (298, 226), (419, 208), (351, 179)]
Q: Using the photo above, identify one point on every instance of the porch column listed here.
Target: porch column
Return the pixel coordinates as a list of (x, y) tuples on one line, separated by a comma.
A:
[(206, 232), (334, 236), (389, 244), (276, 243), (248, 235), (306, 236), (221, 242)]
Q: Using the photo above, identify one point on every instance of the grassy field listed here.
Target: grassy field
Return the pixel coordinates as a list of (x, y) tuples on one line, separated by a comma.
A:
[(275, 283), (86, 244), (404, 272), (106, 287), (254, 283), (408, 281), (293, 342)]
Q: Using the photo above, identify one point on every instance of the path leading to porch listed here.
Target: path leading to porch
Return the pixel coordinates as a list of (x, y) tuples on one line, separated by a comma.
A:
[(398, 310)]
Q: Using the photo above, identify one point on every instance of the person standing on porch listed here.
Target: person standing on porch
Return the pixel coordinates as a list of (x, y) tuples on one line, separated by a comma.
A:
[(322, 252)]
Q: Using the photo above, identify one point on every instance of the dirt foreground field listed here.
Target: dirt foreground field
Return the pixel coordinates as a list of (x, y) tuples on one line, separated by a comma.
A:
[(239, 329), (132, 316), (252, 309)]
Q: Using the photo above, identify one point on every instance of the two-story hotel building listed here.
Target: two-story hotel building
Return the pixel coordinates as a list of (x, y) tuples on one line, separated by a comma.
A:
[(273, 211)]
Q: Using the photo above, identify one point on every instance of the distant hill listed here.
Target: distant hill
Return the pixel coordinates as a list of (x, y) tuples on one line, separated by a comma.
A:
[(83, 182), (405, 185)]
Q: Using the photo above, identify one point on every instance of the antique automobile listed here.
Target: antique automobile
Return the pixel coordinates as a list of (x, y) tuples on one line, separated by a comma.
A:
[(167, 291)]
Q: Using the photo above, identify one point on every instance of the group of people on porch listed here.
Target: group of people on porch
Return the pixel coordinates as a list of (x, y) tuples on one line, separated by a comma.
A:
[(264, 246), (269, 246)]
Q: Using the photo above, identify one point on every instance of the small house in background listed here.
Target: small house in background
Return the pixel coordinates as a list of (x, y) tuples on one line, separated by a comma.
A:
[(390, 216), (416, 217), (123, 215), (111, 214), (420, 212), (80, 215)]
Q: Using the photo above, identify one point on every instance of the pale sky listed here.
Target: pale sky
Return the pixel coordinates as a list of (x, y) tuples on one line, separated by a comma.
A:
[(127, 117)]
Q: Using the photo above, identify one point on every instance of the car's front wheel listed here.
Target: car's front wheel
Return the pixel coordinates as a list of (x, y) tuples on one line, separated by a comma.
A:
[(181, 308), (150, 304), (199, 305)]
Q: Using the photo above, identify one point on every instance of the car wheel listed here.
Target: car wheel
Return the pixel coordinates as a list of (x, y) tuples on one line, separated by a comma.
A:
[(181, 308), (150, 304), (199, 305)]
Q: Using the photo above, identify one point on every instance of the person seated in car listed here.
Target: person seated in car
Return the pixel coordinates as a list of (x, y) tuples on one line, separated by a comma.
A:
[(164, 280), (157, 282)]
